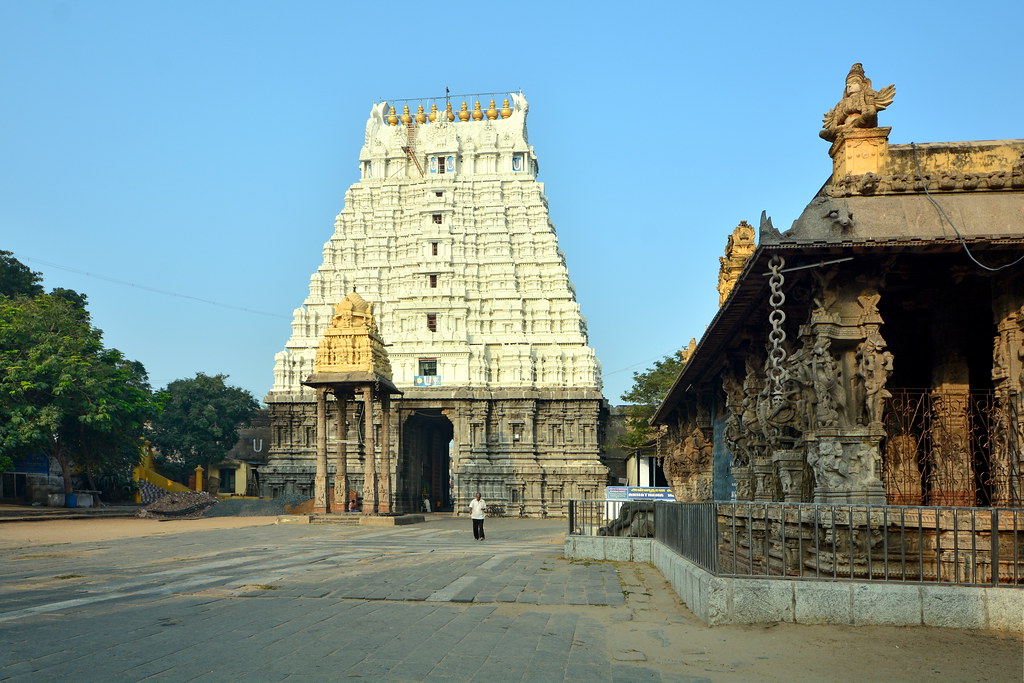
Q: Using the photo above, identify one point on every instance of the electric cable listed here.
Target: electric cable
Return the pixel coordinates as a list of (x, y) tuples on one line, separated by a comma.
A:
[(963, 243), (152, 289)]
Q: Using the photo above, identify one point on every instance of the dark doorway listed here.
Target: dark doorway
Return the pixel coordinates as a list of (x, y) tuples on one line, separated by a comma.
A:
[(424, 474)]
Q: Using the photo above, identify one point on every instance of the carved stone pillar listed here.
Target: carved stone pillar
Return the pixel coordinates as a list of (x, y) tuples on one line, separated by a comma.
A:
[(903, 476), (385, 455), (764, 477), (951, 457), (846, 466), (320, 479), (952, 473), (341, 465), (743, 475), (789, 469), (370, 463), (1005, 468)]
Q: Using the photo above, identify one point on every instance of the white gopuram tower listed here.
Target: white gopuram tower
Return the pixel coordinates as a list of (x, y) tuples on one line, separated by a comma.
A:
[(447, 234)]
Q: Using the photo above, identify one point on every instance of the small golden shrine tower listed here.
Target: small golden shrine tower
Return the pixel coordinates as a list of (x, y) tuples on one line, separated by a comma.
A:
[(352, 342), (740, 246), (352, 363)]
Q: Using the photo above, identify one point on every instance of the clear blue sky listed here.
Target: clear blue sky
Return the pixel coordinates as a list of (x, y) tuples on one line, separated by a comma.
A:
[(204, 148)]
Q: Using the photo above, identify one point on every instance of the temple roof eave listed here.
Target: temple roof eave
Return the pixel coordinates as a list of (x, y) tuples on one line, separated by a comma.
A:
[(352, 379), (751, 288)]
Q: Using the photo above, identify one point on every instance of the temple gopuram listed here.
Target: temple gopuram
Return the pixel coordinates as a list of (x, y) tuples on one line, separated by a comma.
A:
[(873, 353), (445, 248)]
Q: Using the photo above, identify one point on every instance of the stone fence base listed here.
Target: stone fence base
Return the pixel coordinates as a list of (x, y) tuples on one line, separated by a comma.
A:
[(719, 600)]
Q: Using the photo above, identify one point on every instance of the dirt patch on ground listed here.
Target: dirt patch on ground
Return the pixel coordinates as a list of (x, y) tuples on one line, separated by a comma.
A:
[(49, 533)]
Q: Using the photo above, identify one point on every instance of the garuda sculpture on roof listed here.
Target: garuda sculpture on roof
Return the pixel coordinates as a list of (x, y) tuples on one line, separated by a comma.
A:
[(859, 107)]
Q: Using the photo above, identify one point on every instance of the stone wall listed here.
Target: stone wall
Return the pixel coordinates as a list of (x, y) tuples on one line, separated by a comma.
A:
[(719, 600), (529, 452)]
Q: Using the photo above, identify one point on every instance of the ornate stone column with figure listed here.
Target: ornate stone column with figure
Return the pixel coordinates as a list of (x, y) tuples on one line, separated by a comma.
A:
[(849, 371), (1006, 471)]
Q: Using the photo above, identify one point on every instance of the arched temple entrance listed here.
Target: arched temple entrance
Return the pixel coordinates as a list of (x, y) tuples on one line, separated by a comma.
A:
[(425, 464)]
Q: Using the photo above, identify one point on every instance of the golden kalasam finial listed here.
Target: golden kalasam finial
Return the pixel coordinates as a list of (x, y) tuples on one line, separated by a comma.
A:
[(449, 113), (464, 112), (406, 116), (421, 118), (392, 118), (478, 115), (492, 113), (433, 112), (505, 111)]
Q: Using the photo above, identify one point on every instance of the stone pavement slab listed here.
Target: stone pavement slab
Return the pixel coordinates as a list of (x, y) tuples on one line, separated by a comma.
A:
[(415, 603)]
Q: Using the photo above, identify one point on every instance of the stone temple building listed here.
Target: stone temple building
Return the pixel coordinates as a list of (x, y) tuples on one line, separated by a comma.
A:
[(874, 352), (447, 235)]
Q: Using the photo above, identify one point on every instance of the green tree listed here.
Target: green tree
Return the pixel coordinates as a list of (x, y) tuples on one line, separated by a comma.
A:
[(648, 390), (16, 278), (199, 421), (61, 391)]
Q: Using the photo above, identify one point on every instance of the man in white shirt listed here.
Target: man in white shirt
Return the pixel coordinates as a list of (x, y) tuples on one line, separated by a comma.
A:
[(476, 513)]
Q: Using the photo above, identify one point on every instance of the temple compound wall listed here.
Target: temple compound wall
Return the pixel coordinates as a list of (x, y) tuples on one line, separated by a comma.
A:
[(873, 352), (447, 234)]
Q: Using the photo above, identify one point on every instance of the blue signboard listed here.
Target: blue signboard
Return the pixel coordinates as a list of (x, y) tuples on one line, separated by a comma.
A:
[(615, 492), (427, 380), (36, 463), (638, 493)]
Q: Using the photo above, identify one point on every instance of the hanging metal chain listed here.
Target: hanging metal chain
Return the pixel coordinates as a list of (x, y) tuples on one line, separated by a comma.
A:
[(775, 367)]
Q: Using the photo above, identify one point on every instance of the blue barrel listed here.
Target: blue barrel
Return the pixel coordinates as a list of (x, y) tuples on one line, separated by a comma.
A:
[(70, 500)]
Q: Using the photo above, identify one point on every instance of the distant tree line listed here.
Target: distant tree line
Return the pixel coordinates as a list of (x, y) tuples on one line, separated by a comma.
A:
[(649, 389), (67, 396)]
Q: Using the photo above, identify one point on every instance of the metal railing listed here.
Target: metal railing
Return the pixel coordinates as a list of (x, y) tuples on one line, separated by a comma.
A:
[(953, 448), (938, 545), (588, 517)]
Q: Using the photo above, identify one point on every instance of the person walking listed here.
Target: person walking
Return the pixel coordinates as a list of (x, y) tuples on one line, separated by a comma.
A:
[(476, 513)]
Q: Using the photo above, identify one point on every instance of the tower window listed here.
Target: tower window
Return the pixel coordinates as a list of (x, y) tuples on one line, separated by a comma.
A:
[(437, 218), (428, 366), (433, 281), (432, 322), (433, 248), (440, 164), (439, 194)]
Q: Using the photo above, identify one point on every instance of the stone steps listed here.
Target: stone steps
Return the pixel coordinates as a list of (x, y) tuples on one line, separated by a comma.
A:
[(335, 518)]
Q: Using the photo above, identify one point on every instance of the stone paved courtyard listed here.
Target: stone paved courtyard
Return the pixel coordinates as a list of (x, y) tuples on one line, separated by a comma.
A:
[(422, 602)]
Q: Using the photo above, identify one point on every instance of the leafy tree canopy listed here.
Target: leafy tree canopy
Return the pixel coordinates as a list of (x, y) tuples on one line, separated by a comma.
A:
[(16, 278), (649, 389), (199, 421), (61, 391)]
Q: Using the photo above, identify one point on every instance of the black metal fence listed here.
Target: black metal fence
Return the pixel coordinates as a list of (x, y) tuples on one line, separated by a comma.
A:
[(942, 545), (588, 517)]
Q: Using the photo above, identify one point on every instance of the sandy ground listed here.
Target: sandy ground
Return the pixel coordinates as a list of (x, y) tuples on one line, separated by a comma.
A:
[(54, 532)]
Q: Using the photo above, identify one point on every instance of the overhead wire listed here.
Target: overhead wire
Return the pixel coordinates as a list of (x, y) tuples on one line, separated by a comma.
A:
[(152, 289), (963, 242)]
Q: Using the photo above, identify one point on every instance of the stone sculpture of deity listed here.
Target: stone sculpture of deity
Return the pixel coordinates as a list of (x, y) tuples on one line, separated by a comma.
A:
[(859, 107)]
